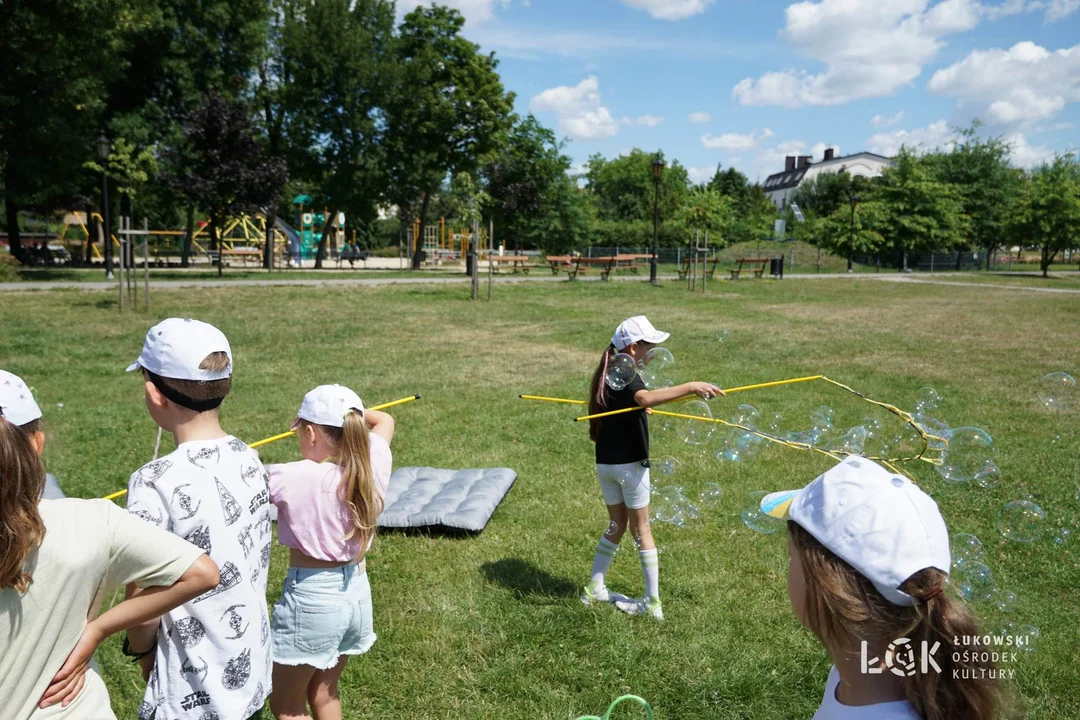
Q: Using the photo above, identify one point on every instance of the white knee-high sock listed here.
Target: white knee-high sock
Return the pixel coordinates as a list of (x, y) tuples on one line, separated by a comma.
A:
[(605, 553), (650, 568)]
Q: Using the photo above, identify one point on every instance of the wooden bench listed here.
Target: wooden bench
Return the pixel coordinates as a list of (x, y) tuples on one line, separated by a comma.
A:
[(351, 256), (631, 262), (758, 271), (709, 267), (606, 266), (244, 254), (560, 263), (513, 263)]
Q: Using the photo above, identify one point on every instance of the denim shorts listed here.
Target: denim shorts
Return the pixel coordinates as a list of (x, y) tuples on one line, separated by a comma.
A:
[(321, 615)]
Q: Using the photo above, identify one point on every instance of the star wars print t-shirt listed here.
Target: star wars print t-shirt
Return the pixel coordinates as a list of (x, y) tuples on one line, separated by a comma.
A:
[(213, 654)]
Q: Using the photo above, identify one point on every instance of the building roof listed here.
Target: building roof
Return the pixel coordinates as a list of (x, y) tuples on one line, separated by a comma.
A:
[(792, 178)]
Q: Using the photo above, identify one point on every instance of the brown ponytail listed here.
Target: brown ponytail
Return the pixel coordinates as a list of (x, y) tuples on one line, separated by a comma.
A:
[(22, 479), (357, 487), (843, 608), (598, 391)]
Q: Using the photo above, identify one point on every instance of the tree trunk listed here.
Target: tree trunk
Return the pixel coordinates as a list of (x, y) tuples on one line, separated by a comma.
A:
[(91, 233), (185, 243), (214, 244), (418, 241), (268, 250), (957, 261), (321, 252), (14, 238), (989, 252), (1047, 258)]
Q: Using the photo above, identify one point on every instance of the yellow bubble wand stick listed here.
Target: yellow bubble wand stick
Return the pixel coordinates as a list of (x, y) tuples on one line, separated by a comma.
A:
[(282, 436)]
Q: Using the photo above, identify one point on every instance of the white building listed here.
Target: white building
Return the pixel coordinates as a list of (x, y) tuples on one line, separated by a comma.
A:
[(779, 187)]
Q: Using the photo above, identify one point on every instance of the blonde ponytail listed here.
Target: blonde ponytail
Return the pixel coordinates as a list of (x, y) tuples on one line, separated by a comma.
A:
[(357, 479)]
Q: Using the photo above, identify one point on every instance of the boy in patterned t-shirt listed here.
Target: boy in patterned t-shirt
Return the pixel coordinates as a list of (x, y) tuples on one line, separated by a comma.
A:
[(212, 656)]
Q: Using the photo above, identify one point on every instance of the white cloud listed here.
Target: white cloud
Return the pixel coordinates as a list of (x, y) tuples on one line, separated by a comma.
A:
[(884, 121), (1063, 126), (869, 48), (670, 9), (818, 151), (1021, 85), (698, 117), (935, 135), (735, 142), (767, 161), (649, 120), (475, 11), (700, 175), (579, 110), (1061, 9), (1026, 155)]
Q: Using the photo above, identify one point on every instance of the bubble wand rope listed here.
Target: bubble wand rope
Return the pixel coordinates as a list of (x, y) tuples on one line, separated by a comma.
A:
[(611, 708), (274, 438)]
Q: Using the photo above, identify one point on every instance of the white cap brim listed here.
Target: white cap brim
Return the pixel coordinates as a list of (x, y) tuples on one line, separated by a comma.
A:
[(132, 367)]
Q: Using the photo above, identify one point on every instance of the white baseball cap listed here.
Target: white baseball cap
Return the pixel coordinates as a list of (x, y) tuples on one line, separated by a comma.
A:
[(175, 348), (16, 400), (634, 330), (328, 405), (878, 522)]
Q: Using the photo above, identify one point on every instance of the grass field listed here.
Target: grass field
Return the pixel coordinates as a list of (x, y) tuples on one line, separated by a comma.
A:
[(490, 626)]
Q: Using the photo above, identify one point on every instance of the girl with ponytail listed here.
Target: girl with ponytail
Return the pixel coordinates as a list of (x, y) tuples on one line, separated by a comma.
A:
[(869, 577), (327, 506), (622, 464)]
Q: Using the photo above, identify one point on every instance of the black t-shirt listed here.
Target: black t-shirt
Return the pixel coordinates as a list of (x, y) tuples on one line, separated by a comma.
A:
[(623, 438)]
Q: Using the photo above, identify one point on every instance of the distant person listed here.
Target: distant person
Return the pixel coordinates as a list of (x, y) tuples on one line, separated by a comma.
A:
[(327, 507), (19, 407), (622, 464), (59, 559), (209, 658), (869, 566)]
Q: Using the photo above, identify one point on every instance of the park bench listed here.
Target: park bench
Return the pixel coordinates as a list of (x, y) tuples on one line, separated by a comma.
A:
[(351, 255), (606, 266), (560, 263), (631, 262), (709, 267), (244, 254), (759, 270), (512, 263)]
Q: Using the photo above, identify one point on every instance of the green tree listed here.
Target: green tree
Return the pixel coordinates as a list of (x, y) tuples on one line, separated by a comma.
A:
[(919, 212), (824, 194), (450, 111), (1048, 211), (622, 188), (851, 231), (753, 216), (334, 104), (706, 210)]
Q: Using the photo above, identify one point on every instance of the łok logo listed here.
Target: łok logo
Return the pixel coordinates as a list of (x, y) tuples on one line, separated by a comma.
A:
[(901, 658)]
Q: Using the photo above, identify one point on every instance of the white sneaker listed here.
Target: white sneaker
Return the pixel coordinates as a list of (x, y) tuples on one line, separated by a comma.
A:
[(642, 606), (593, 596)]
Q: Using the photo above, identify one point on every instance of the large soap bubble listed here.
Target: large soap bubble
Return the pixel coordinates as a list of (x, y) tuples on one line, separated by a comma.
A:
[(621, 371), (975, 581), (1058, 391), (695, 432), (711, 494), (936, 430), (965, 548), (740, 445), (660, 356), (747, 416), (667, 465), (852, 442), (753, 517), (968, 451), (657, 368), (926, 399), (1021, 521)]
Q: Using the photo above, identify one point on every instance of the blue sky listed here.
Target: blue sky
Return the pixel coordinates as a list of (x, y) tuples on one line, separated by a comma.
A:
[(744, 82)]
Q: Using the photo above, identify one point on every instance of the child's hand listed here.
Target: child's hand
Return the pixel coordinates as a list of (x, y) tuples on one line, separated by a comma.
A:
[(704, 390), (69, 681)]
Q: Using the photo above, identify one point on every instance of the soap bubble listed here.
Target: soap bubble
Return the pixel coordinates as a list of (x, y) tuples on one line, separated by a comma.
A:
[(926, 399), (937, 431), (711, 494), (1058, 391), (661, 509), (667, 465), (660, 356), (747, 416), (695, 432), (988, 476), (59, 405), (755, 519), (655, 376), (775, 423), (721, 335), (740, 445), (1030, 633), (1062, 536), (965, 548), (821, 424), (967, 453), (691, 510), (851, 442), (906, 443), (1003, 600), (1021, 521), (975, 581), (621, 371)]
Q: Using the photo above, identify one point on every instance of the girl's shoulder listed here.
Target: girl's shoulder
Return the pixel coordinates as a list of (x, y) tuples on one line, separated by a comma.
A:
[(298, 469)]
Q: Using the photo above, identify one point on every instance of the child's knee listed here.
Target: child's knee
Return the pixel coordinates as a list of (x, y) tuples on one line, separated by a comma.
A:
[(615, 530)]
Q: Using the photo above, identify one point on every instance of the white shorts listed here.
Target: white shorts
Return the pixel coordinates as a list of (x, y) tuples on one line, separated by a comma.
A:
[(626, 483)]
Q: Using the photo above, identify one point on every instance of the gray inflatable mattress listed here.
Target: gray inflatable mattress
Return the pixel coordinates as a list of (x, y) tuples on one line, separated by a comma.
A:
[(423, 497)]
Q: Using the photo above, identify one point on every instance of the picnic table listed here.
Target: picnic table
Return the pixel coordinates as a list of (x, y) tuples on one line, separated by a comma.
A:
[(759, 270), (244, 253), (631, 261), (512, 263)]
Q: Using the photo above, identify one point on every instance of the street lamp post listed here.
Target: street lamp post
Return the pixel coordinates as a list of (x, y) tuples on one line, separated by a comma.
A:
[(102, 146), (657, 171), (854, 199)]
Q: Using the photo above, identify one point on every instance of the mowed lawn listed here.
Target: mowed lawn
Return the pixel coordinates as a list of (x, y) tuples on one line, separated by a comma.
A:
[(491, 626)]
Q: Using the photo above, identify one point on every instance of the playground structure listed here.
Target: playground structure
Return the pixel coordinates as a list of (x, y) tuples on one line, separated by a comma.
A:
[(443, 244)]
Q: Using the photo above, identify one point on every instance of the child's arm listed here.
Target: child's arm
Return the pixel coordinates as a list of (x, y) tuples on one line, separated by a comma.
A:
[(652, 398), (148, 604), (381, 424)]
